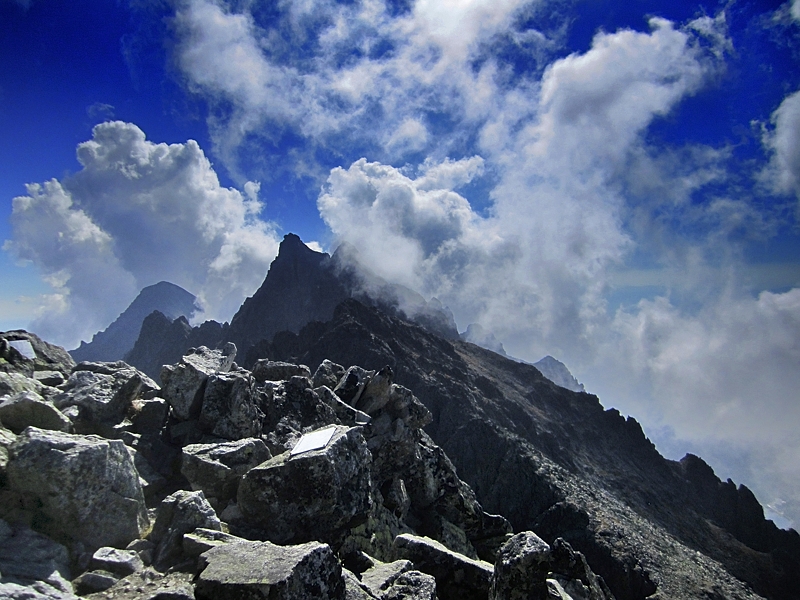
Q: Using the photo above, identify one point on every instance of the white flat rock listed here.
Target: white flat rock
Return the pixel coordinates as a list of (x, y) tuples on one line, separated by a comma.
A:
[(314, 440), (23, 347)]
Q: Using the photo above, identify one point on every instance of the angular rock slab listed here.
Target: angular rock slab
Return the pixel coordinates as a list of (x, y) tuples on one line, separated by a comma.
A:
[(255, 570), (103, 392), (217, 468), (412, 585), (267, 370), (87, 486), (178, 514), (458, 577), (183, 384), (314, 495), (521, 568), (149, 584), (228, 409), (29, 409), (32, 561)]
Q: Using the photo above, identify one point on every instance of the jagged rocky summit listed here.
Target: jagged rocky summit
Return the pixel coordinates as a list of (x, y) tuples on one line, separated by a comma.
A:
[(226, 483), (118, 339), (302, 286)]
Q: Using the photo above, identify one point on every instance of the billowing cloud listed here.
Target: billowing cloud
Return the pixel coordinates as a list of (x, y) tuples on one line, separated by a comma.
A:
[(783, 172), (137, 213)]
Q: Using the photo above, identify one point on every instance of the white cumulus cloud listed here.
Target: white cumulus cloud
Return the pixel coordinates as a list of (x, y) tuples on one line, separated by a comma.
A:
[(137, 213)]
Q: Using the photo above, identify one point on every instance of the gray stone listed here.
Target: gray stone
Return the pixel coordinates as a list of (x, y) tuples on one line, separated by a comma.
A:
[(7, 438), (217, 468), (312, 495), (94, 581), (144, 548), (178, 514), (352, 384), (29, 409), (267, 370), (152, 481), (15, 383), (16, 355), (183, 384), (32, 561), (346, 414), (87, 487), (119, 562), (263, 570), (521, 568), (458, 577), (354, 589), (380, 577), (229, 409), (412, 585), (570, 569), (50, 378), (38, 590), (328, 374), (103, 394), (149, 584), (200, 540)]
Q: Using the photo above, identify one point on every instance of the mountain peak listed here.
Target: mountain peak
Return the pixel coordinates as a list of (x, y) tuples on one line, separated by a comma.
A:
[(118, 338)]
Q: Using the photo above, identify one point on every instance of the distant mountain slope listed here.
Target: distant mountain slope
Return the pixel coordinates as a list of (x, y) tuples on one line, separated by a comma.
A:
[(558, 373), (118, 339)]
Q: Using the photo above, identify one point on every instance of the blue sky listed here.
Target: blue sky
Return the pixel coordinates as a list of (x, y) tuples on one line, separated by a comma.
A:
[(613, 183)]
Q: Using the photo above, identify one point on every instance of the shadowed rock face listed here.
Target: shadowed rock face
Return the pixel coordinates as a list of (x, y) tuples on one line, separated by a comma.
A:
[(304, 286)]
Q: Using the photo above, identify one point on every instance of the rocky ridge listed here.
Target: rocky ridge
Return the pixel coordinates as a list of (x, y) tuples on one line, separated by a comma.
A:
[(224, 482)]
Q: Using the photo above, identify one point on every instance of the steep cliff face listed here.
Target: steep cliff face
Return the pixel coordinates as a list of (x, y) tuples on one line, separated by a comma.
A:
[(119, 338), (555, 461)]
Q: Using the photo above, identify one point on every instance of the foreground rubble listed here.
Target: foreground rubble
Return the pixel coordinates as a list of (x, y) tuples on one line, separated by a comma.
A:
[(227, 483)]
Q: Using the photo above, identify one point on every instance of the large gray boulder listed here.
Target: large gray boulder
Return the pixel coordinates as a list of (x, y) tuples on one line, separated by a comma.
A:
[(256, 570), (86, 487), (229, 409), (15, 383), (32, 566), (183, 384), (217, 468), (412, 585), (528, 567), (149, 584), (103, 394), (458, 577), (311, 495), (178, 514), (29, 409), (268, 370), (521, 568)]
